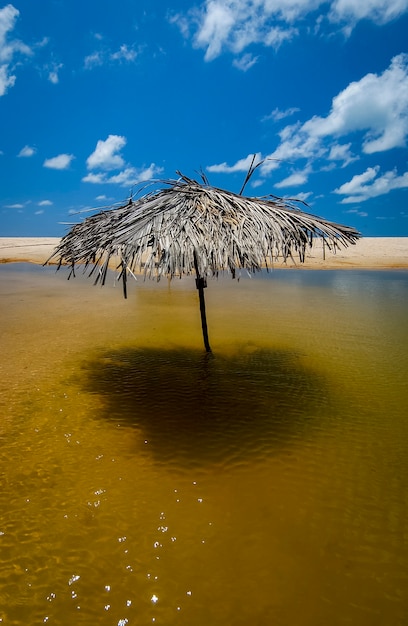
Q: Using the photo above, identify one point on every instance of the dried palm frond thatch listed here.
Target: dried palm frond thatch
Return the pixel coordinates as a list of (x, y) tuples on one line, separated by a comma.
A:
[(190, 227)]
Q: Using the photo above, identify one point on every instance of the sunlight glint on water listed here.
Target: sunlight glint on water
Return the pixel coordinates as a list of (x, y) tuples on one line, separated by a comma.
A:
[(143, 482)]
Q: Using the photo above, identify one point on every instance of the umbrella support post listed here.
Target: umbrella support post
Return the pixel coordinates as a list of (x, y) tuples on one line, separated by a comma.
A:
[(201, 283)]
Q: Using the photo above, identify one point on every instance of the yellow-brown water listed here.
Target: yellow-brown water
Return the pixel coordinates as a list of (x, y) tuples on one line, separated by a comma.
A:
[(143, 482)]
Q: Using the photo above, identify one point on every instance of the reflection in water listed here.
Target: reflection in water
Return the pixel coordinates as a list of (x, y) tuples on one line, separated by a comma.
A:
[(194, 407), (144, 482)]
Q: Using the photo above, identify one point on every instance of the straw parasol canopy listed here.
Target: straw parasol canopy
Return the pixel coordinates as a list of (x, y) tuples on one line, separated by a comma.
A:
[(188, 227)]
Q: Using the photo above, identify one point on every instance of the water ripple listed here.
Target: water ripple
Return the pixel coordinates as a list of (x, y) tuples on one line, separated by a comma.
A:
[(194, 408)]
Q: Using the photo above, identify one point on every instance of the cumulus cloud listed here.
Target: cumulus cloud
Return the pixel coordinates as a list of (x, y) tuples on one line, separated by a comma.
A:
[(105, 156), (376, 104), (131, 175), (350, 12), (240, 166), (217, 24), (126, 178), (295, 179), (60, 162), (27, 151), (370, 184), (342, 152), (9, 48), (95, 178), (303, 196), (373, 110), (44, 203), (368, 116), (295, 144), (234, 25)]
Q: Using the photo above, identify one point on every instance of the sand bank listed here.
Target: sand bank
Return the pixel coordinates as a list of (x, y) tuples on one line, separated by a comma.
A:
[(368, 253), (26, 249)]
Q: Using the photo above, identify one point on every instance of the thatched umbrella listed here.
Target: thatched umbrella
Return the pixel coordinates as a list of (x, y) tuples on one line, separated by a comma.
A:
[(188, 227)]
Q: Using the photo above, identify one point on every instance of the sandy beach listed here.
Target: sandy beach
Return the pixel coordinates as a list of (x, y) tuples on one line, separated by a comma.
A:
[(368, 253)]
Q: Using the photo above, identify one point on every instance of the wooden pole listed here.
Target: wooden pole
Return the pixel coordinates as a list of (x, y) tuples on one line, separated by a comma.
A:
[(201, 283)]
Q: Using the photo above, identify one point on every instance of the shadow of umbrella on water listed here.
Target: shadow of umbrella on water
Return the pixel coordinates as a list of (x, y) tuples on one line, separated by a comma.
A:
[(193, 408), (188, 227)]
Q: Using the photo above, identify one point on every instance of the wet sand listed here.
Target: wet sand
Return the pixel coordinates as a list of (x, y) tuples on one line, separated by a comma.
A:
[(368, 253)]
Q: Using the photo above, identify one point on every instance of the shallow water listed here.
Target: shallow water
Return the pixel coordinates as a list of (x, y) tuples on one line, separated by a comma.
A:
[(143, 481)]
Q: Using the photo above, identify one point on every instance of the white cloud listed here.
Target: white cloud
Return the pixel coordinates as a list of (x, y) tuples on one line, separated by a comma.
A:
[(236, 24), (359, 180), (14, 206), (73, 211), (124, 54), (295, 179), (245, 62), (105, 156), (45, 203), (233, 25), (60, 162), (27, 151), (370, 185), (40, 212), (6, 80), (95, 178), (42, 43), (131, 175), (257, 183), (374, 109), (9, 48), (275, 37), (215, 29), (97, 58), (53, 75), (303, 196), (128, 177), (296, 144), (342, 152), (378, 11), (240, 166), (93, 60), (377, 104), (357, 212), (276, 115)]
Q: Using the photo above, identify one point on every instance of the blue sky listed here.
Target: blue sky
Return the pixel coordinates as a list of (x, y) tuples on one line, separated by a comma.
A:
[(98, 96)]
